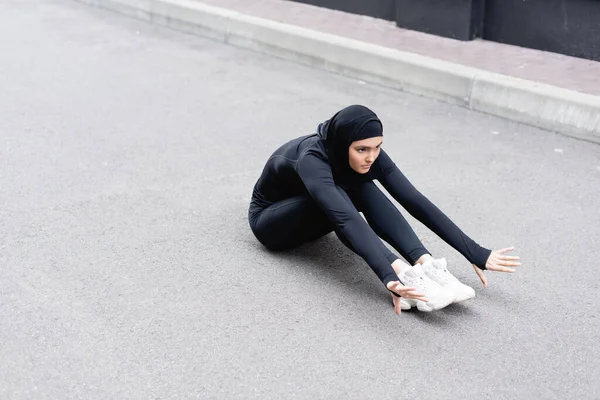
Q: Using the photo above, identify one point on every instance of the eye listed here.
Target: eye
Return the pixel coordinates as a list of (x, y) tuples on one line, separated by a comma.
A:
[(361, 150)]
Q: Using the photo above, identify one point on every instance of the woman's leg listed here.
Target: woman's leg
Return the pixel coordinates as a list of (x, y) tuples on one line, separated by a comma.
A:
[(297, 220), (392, 258), (290, 223), (389, 224)]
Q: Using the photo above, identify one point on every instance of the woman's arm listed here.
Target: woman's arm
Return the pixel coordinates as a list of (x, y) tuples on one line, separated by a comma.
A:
[(317, 177), (427, 213)]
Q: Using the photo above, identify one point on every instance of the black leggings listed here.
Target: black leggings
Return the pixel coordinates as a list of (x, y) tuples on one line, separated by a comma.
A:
[(297, 220)]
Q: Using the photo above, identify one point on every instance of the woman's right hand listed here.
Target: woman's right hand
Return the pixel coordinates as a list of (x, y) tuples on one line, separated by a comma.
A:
[(404, 291)]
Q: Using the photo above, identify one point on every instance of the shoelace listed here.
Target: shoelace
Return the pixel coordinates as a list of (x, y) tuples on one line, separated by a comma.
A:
[(444, 275), (421, 282)]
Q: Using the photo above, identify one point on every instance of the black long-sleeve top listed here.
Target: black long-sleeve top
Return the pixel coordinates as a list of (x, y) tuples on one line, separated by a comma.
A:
[(302, 166)]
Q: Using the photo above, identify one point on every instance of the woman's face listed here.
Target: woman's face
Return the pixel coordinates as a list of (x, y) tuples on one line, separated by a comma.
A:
[(363, 153)]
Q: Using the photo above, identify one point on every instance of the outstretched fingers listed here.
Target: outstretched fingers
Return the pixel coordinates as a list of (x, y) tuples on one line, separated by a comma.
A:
[(501, 269), (397, 305), (509, 260), (498, 260), (481, 275), (506, 249), (411, 293), (509, 263), (405, 291)]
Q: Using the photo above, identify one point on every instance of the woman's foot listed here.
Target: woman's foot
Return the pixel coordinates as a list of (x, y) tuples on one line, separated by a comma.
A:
[(437, 270), (438, 296)]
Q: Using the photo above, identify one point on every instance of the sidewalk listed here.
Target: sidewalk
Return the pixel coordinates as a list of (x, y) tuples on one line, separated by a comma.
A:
[(550, 91), (553, 69)]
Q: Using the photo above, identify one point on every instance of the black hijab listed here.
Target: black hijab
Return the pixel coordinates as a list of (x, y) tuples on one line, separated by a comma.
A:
[(348, 125)]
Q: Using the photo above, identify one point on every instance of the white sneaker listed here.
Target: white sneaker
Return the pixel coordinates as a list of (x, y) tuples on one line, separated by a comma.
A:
[(437, 295), (438, 272)]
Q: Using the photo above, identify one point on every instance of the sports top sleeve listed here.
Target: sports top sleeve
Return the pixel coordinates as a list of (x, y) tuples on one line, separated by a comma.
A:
[(427, 213), (318, 179)]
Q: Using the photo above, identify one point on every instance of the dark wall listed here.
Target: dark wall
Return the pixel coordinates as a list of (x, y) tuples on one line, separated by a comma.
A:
[(569, 27), (384, 9), (456, 19)]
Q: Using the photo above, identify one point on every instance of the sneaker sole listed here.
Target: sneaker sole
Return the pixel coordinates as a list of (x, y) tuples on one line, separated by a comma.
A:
[(406, 304), (464, 298), (440, 304)]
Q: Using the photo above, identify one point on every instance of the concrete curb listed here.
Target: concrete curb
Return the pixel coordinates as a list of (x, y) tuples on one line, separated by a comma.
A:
[(551, 108)]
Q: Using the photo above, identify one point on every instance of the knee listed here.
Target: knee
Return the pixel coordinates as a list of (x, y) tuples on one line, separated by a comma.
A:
[(270, 242)]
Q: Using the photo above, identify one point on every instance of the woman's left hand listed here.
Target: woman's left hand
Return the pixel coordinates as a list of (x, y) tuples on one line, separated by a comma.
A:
[(498, 262)]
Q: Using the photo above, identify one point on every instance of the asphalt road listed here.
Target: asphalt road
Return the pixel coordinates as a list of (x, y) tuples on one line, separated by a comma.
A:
[(127, 158)]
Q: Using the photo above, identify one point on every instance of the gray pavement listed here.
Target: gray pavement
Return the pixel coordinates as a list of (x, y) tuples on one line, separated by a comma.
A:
[(127, 160)]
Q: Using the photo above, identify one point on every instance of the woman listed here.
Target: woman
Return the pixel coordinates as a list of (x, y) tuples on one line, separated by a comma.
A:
[(319, 183)]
